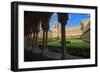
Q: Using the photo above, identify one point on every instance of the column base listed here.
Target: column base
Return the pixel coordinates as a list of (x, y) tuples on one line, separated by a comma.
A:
[(36, 50), (45, 51), (63, 57)]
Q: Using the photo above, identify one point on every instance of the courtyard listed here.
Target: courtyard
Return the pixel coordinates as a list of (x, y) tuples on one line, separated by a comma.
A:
[(55, 36), (76, 47)]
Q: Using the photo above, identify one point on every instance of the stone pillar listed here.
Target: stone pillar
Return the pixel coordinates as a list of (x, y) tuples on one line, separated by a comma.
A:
[(43, 41), (45, 18), (62, 18), (46, 41), (63, 41)]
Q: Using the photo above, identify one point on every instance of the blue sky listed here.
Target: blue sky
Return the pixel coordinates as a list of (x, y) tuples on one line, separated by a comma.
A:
[(54, 17), (74, 19)]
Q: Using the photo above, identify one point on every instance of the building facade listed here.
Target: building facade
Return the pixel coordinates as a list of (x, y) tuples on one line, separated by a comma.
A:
[(86, 29), (73, 32), (81, 31)]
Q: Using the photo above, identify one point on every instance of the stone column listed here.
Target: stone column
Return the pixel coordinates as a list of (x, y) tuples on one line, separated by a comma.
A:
[(62, 18), (45, 26)]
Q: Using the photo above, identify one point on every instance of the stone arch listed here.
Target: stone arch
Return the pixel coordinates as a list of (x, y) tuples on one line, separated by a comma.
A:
[(32, 24)]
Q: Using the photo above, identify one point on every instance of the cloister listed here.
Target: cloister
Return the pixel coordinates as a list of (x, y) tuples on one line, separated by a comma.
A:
[(32, 21)]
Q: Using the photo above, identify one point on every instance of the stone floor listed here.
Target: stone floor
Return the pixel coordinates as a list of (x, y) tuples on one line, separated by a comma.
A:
[(53, 55)]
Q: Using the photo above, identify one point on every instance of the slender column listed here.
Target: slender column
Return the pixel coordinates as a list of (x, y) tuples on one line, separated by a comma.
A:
[(63, 17), (36, 40), (45, 26), (43, 41), (46, 40), (63, 41), (33, 40)]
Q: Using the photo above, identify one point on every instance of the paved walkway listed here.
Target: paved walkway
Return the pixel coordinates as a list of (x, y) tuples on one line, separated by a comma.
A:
[(54, 55)]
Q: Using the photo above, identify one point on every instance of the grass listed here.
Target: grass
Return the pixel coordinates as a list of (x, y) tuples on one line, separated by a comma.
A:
[(76, 47), (78, 43), (55, 43), (74, 43)]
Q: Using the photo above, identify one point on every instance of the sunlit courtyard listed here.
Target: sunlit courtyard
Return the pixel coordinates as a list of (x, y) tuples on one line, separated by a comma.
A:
[(56, 36), (76, 47)]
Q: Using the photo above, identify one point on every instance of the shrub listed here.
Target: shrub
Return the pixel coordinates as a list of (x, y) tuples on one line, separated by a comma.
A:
[(57, 38), (79, 52), (67, 42)]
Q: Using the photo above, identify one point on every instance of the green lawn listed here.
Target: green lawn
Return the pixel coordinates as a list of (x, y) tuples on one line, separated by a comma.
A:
[(73, 43), (54, 43), (78, 43), (74, 47)]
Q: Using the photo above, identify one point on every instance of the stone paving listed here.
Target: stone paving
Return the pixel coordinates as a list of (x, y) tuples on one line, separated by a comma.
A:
[(54, 55)]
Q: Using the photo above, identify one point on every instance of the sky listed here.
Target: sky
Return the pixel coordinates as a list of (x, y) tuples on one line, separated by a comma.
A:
[(74, 19)]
